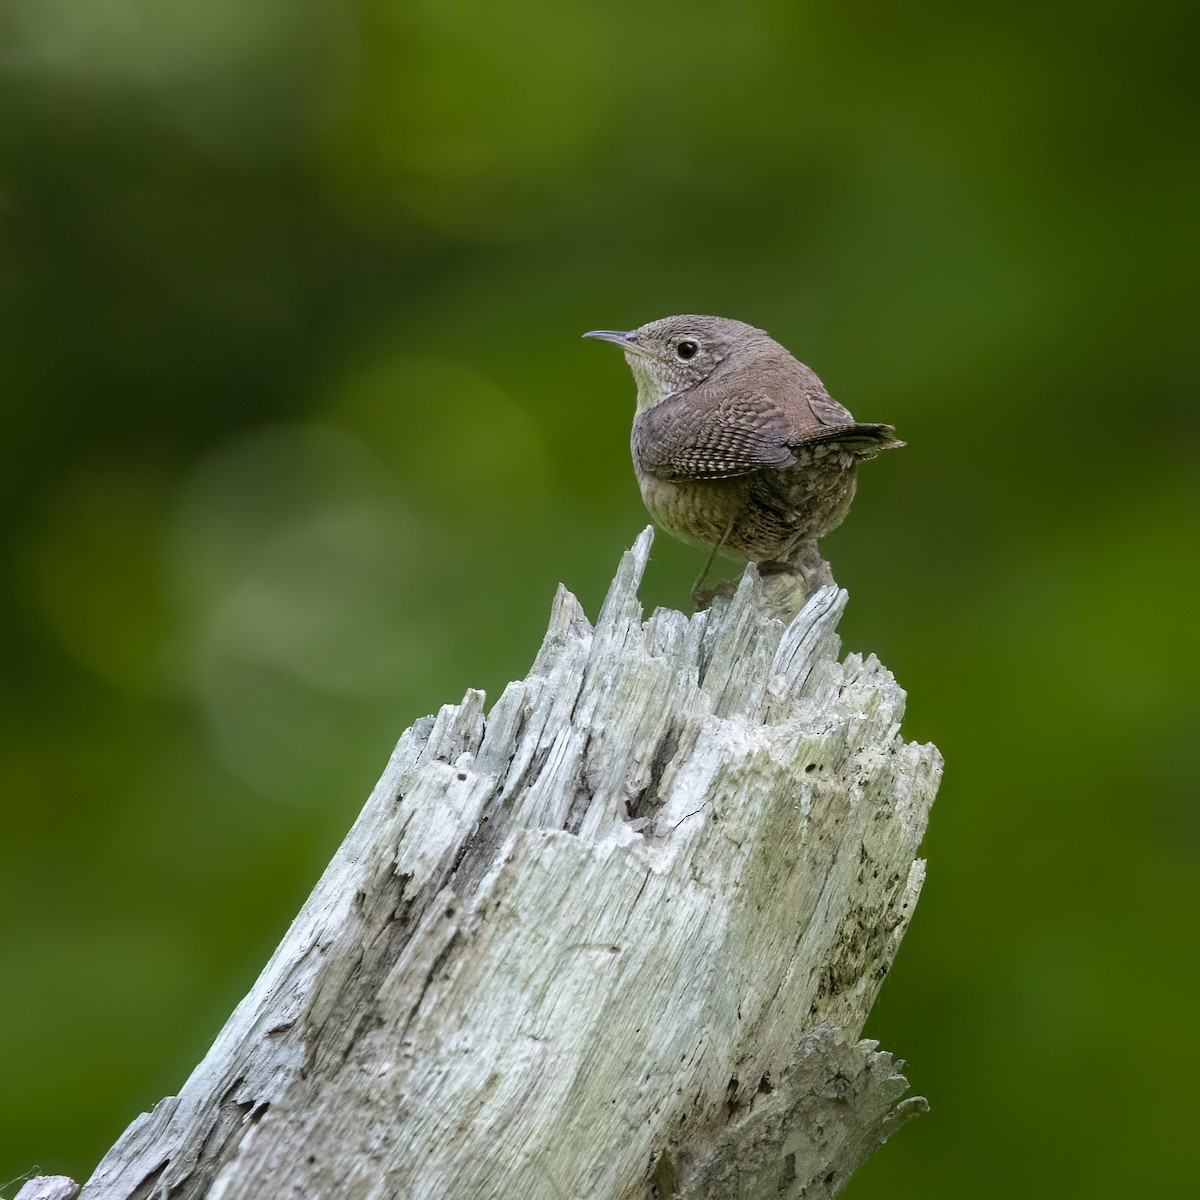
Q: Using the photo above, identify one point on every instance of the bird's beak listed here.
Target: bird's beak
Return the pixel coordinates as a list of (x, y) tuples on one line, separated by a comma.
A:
[(620, 338)]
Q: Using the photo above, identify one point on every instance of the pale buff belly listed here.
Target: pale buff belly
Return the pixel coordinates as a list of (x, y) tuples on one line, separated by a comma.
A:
[(760, 517)]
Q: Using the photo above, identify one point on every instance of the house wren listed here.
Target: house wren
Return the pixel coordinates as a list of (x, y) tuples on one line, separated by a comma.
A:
[(737, 445)]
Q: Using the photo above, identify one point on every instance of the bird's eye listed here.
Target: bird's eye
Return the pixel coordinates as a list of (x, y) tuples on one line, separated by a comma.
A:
[(687, 348)]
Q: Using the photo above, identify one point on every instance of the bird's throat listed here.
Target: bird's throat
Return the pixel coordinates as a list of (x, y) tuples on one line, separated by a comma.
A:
[(649, 389)]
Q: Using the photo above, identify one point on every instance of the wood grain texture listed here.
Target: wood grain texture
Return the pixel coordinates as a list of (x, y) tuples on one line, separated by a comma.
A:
[(49, 1187), (616, 938)]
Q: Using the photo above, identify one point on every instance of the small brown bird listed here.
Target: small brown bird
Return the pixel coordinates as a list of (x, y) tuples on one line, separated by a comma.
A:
[(736, 444)]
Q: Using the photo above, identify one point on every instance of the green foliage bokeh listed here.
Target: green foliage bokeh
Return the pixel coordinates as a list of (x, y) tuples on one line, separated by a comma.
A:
[(299, 436)]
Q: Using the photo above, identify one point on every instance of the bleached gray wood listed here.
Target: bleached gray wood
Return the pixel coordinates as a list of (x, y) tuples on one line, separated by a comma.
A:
[(48, 1187), (615, 939)]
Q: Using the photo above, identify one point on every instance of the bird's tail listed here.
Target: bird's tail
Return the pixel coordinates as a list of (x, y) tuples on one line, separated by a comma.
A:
[(862, 439)]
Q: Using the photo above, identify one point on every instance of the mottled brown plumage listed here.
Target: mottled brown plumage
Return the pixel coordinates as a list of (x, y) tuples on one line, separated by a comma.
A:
[(736, 444)]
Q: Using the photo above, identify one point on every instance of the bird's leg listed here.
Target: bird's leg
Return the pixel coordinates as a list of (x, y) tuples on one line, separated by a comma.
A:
[(700, 599)]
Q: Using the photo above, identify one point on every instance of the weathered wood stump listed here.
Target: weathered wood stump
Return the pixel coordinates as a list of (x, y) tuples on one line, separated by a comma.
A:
[(616, 938)]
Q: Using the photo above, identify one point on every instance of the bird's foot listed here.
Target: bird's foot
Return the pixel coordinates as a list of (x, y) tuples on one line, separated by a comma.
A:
[(703, 597), (777, 566)]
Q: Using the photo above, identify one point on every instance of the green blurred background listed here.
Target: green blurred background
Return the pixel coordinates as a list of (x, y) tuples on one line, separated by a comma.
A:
[(299, 436)]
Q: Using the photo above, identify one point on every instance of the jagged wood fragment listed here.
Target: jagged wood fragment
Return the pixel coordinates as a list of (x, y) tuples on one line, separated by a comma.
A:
[(48, 1187), (808, 1128), (594, 943)]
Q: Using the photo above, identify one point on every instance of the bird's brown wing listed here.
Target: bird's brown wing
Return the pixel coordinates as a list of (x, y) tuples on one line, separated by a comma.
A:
[(826, 409), (697, 436), (693, 436)]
